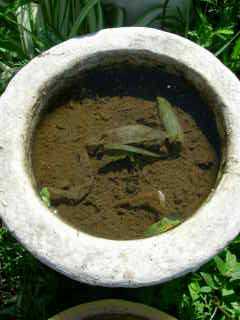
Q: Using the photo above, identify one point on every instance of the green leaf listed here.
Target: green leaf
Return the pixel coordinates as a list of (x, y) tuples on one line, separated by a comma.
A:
[(194, 290), (235, 276), (227, 32), (165, 224), (227, 292), (170, 121), (61, 15), (223, 48), (82, 16), (236, 50), (45, 196), (209, 280), (221, 266), (91, 19), (100, 16), (231, 261), (206, 289)]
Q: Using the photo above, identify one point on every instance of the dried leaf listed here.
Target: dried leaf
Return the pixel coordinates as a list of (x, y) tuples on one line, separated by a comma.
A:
[(128, 135), (128, 150), (170, 121)]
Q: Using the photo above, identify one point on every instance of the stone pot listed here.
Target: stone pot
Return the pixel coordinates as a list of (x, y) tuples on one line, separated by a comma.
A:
[(136, 8), (95, 260), (112, 307)]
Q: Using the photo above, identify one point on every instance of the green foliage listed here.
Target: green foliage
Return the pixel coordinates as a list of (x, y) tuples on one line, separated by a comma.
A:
[(162, 226), (26, 289), (28, 28), (216, 27), (213, 293), (213, 24)]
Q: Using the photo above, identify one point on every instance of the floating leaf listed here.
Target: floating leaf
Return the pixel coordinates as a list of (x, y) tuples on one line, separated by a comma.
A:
[(162, 226), (170, 121), (128, 135), (45, 196)]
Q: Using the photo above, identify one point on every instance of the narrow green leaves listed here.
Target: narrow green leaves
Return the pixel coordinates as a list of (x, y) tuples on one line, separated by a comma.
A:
[(26, 18), (149, 17), (227, 44), (92, 19), (82, 16), (100, 19)]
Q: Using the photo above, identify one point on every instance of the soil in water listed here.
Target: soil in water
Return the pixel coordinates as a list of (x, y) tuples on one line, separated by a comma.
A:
[(88, 190), (116, 317)]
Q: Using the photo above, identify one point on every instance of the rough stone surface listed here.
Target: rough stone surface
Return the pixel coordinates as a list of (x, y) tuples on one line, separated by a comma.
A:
[(100, 261)]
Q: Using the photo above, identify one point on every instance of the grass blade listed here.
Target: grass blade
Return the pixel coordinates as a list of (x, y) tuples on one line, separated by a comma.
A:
[(120, 16), (236, 50), (82, 16), (149, 17), (46, 5), (91, 19), (220, 51), (100, 16), (26, 14), (63, 11), (164, 13), (66, 21)]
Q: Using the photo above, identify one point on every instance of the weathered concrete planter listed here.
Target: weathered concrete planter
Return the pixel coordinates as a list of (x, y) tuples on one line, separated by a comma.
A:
[(136, 8), (112, 307), (100, 261)]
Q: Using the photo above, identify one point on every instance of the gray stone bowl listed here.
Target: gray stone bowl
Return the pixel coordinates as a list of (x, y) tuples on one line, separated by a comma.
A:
[(95, 260), (112, 307)]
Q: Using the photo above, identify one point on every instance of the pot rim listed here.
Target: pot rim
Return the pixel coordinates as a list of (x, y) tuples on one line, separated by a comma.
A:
[(100, 261), (112, 306)]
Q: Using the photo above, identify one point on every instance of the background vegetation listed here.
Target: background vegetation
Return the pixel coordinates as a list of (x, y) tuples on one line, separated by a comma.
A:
[(29, 290)]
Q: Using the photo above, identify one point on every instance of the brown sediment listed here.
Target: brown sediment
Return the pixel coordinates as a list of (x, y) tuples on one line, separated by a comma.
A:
[(89, 191), (116, 317)]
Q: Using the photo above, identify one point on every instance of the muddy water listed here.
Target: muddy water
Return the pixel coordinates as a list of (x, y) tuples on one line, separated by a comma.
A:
[(116, 317), (112, 99)]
